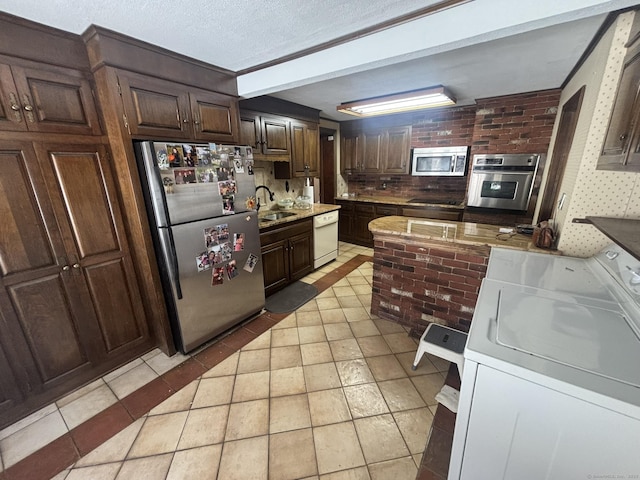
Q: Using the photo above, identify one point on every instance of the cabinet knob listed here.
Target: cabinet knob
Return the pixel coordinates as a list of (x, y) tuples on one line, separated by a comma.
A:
[(28, 108), (65, 268), (185, 120), (623, 137), (15, 107), (76, 265)]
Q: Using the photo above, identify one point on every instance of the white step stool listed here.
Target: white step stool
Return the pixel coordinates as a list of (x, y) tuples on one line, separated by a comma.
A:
[(443, 342)]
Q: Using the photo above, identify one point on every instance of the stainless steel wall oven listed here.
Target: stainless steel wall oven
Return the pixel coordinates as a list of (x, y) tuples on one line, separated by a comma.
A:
[(502, 181)]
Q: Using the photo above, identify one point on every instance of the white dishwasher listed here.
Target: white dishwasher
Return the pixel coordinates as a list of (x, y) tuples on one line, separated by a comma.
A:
[(325, 238)]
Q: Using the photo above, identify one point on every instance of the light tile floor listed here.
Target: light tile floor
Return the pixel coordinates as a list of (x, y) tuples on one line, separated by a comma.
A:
[(327, 393)]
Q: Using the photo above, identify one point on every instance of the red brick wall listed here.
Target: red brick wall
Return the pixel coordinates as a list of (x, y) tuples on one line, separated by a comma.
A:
[(515, 124), (450, 127), (416, 281), (520, 123)]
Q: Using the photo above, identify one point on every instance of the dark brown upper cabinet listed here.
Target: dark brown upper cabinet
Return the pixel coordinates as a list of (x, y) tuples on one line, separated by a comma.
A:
[(397, 150), (305, 152), (349, 152), (376, 150), (621, 149), (46, 100), (269, 135), (164, 109), (372, 141)]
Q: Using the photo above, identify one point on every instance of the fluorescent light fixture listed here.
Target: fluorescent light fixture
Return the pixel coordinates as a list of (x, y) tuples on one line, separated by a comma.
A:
[(431, 97)]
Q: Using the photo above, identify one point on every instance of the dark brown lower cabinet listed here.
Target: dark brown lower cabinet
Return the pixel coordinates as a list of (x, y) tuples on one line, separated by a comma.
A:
[(287, 253), (353, 223), (70, 305)]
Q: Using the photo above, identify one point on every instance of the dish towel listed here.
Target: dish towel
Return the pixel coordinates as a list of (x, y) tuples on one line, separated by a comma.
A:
[(449, 397)]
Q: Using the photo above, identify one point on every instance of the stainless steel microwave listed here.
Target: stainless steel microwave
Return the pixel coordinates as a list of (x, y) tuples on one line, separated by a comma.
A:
[(441, 161)]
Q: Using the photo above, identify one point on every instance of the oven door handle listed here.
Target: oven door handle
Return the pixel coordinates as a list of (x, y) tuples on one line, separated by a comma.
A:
[(502, 172)]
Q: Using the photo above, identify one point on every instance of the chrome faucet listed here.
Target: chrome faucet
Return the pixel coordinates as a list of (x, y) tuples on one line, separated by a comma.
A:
[(271, 194)]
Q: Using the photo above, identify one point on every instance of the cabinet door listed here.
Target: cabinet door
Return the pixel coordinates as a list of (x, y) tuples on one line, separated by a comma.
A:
[(11, 117), (155, 108), (298, 149), (623, 117), (371, 151), (397, 150), (276, 142), (250, 131), (312, 149), (364, 213), (43, 323), (10, 394), (275, 265), (345, 222), (300, 255), (215, 117), (82, 191), (349, 153), (632, 162), (58, 101), (305, 152)]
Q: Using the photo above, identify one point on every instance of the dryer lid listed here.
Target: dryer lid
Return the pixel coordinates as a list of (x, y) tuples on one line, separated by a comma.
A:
[(591, 336)]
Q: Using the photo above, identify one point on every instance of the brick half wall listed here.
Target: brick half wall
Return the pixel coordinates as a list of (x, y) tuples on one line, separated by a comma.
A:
[(416, 283)]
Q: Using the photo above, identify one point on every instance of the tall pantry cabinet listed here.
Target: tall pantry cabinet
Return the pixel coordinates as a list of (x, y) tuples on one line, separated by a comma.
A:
[(70, 301)]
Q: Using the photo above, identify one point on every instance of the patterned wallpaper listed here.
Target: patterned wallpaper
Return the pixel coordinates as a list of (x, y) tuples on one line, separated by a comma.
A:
[(590, 191)]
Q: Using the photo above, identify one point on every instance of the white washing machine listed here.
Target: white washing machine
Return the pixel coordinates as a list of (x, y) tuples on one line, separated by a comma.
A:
[(551, 384)]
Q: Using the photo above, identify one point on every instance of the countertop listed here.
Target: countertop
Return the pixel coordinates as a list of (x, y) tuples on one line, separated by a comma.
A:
[(398, 201), (623, 231), (298, 214), (453, 232)]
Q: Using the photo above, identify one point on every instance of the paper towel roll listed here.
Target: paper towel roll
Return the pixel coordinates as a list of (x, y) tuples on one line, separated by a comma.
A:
[(307, 191)]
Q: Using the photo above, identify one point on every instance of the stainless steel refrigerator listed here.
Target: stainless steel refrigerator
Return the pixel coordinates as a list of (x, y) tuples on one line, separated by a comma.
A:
[(201, 204)]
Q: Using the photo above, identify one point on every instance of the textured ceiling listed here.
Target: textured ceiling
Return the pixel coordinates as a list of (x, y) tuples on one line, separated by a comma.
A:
[(482, 48), (233, 34)]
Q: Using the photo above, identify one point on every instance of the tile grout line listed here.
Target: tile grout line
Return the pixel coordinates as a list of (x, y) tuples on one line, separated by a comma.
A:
[(12, 472)]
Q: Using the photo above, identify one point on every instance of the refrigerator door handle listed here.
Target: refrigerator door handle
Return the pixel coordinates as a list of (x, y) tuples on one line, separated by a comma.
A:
[(171, 259)]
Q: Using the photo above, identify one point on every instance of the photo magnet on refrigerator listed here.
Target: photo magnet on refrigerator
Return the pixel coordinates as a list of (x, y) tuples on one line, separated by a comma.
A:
[(251, 263)]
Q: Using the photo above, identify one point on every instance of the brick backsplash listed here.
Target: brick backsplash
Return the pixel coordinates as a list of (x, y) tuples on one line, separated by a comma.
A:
[(515, 124), (438, 189), (417, 283), (520, 123)]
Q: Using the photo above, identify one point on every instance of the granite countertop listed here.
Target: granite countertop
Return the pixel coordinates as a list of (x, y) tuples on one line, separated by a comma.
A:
[(453, 232), (399, 201), (298, 214)]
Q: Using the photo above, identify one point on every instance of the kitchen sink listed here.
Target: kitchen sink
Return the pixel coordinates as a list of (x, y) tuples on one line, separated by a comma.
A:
[(275, 216)]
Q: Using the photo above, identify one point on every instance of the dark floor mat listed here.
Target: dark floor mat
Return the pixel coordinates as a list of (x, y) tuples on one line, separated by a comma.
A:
[(290, 298)]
